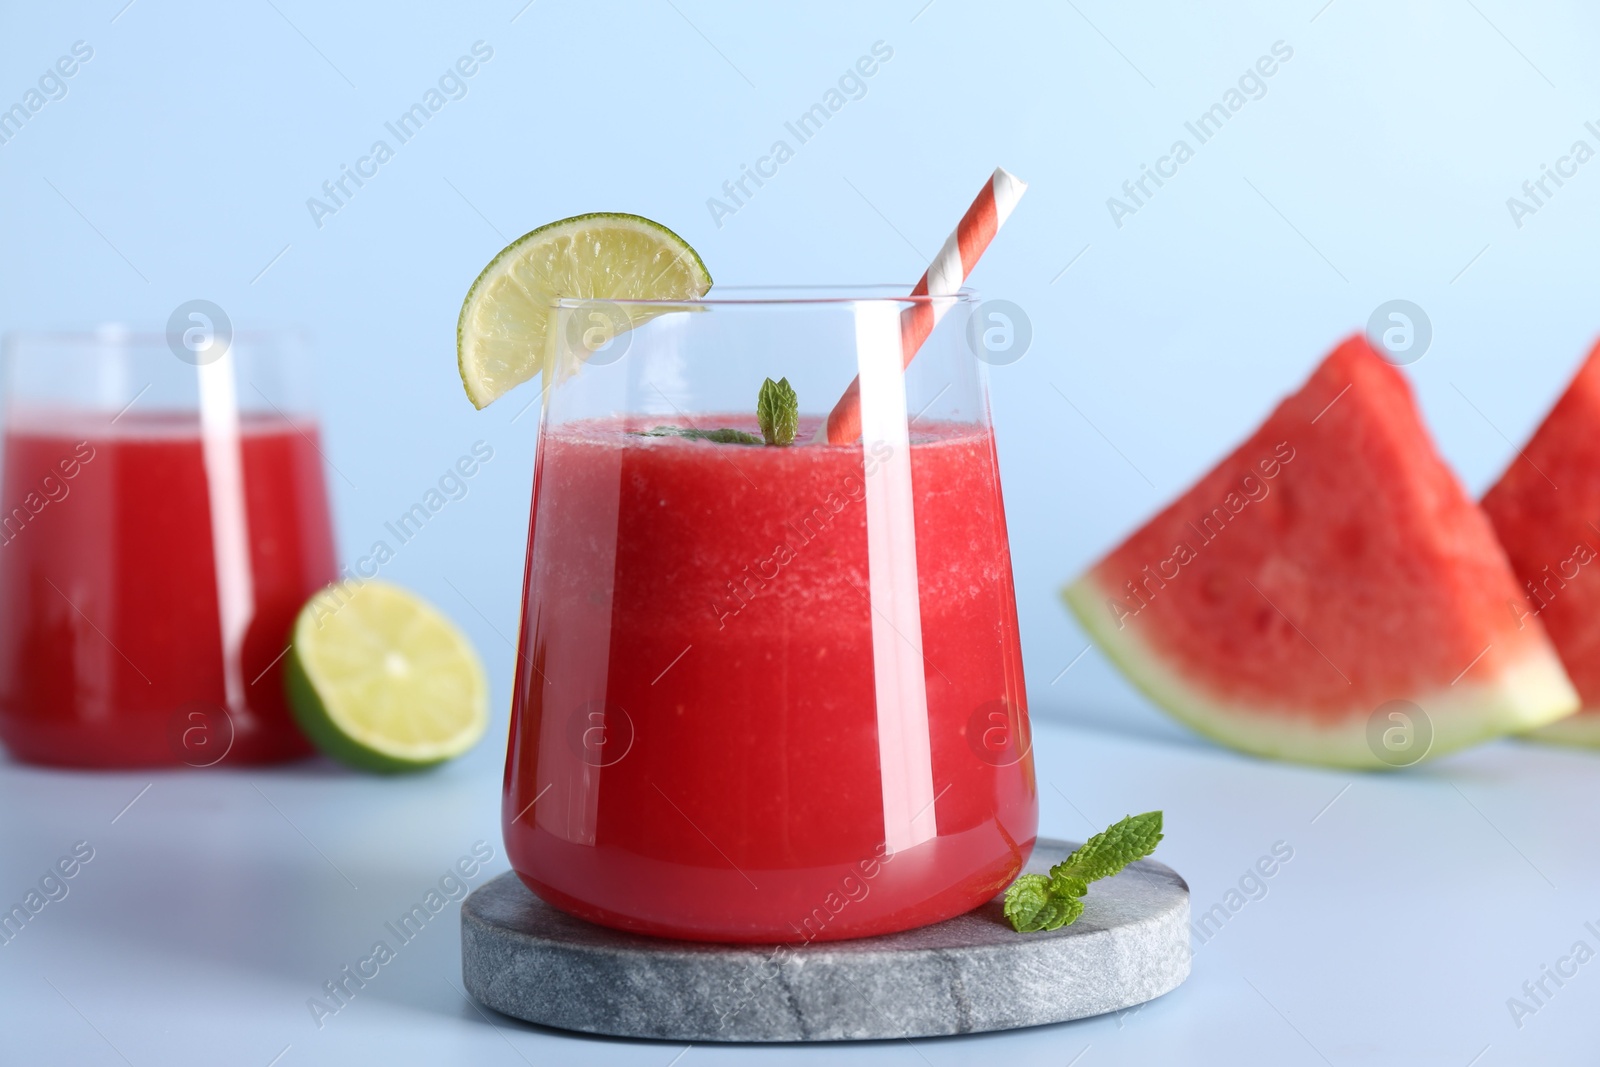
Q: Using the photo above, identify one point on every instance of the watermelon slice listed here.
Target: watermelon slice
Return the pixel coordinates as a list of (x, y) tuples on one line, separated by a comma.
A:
[(1330, 566), (1552, 538)]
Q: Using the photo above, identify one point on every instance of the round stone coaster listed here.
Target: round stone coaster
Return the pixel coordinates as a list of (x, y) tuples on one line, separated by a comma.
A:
[(966, 975)]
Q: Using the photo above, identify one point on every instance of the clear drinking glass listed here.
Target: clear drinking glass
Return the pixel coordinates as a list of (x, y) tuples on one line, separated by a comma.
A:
[(165, 517), (767, 693)]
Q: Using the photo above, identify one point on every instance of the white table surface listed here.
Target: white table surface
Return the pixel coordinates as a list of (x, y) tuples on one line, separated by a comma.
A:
[(1414, 906)]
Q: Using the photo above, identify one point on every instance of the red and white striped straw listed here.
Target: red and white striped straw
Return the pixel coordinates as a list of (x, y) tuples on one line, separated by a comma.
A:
[(944, 277)]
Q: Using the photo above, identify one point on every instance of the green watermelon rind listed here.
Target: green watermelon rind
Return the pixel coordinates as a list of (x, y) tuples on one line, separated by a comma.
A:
[(1581, 730), (1533, 694)]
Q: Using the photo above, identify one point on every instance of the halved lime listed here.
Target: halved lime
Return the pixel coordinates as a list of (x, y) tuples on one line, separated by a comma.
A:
[(379, 679), (500, 337)]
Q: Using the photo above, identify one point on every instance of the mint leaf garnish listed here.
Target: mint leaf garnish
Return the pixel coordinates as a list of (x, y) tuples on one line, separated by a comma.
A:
[(723, 436), (1049, 902), (778, 411)]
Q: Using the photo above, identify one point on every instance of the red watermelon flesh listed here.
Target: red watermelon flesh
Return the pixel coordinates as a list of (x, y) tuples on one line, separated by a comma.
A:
[(1546, 510), (1330, 565)]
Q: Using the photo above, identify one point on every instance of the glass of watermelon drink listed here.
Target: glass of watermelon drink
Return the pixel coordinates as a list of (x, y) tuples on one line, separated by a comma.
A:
[(163, 520), (766, 693)]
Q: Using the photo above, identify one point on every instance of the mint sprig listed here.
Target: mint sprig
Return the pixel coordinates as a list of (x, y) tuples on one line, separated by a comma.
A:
[(778, 411), (1049, 902)]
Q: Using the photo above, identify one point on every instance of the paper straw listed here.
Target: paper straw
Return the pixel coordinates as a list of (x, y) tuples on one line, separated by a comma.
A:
[(944, 277)]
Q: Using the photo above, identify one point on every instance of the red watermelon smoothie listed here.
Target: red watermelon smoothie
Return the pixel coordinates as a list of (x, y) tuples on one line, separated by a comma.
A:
[(707, 708), (112, 651)]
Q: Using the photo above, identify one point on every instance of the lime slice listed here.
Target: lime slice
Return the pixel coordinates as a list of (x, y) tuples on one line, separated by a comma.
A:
[(500, 337), (380, 680)]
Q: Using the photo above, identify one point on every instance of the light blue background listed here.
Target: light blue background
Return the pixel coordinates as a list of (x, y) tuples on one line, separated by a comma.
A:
[(1376, 166), (1390, 141)]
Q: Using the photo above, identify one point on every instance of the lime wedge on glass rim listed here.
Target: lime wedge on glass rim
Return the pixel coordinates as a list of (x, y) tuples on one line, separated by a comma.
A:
[(501, 335), (379, 679)]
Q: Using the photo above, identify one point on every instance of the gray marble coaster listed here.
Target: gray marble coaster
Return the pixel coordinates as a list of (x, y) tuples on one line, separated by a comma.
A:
[(966, 975)]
